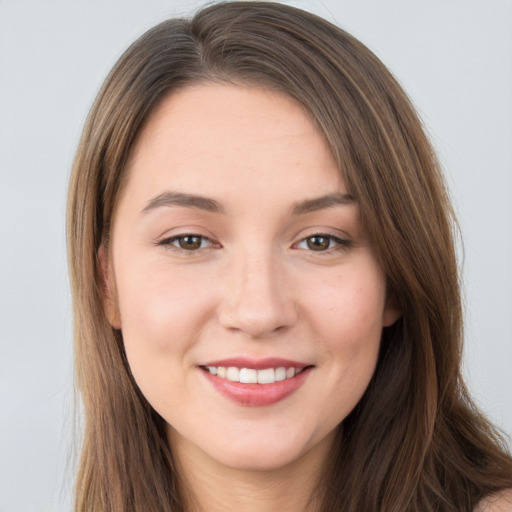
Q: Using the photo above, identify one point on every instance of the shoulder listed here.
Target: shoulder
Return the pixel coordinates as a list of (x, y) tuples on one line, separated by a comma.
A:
[(500, 502)]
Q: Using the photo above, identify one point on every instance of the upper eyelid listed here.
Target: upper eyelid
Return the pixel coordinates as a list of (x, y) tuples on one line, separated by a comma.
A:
[(183, 235), (172, 238), (340, 235), (339, 240), (180, 234)]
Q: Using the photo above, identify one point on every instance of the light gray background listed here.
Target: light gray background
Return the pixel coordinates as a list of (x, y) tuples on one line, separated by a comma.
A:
[(454, 57)]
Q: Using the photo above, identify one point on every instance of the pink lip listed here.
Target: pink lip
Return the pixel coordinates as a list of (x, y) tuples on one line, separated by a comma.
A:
[(257, 395), (257, 364)]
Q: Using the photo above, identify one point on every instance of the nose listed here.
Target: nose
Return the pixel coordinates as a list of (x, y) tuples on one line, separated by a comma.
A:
[(258, 301)]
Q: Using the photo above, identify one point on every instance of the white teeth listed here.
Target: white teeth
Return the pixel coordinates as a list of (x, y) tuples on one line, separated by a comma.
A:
[(267, 376), (280, 374), (252, 376), (248, 376), (233, 374)]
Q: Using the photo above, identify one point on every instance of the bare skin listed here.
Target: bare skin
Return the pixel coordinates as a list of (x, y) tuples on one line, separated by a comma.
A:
[(290, 488)]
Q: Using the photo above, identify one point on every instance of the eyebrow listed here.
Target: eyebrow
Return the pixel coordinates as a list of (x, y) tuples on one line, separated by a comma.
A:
[(184, 200), (211, 205), (321, 203)]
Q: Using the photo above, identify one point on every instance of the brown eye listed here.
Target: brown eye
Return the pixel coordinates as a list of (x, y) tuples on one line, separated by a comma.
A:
[(190, 242), (187, 242), (321, 242), (318, 242)]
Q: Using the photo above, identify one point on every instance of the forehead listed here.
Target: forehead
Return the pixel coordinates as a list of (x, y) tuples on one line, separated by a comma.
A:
[(217, 138)]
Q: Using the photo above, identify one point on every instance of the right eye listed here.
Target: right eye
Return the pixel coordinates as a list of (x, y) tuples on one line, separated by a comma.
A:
[(188, 242)]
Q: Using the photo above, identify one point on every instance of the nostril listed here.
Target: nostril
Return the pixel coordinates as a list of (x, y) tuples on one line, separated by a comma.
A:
[(255, 321)]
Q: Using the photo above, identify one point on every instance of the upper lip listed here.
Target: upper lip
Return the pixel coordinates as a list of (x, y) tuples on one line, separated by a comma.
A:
[(257, 364)]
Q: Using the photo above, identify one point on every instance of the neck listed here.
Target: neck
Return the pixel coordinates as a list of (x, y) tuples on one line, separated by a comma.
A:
[(209, 486)]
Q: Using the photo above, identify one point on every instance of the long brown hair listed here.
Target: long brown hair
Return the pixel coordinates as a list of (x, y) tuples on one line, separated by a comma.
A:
[(415, 442)]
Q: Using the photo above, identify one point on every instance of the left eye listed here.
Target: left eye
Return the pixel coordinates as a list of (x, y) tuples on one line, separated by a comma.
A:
[(188, 242), (320, 242)]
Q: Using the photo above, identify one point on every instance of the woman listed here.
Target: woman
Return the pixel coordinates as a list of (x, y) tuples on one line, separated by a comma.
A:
[(267, 310)]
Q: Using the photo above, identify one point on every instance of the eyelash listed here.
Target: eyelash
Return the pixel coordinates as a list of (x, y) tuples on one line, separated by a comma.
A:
[(168, 243), (341, 244)]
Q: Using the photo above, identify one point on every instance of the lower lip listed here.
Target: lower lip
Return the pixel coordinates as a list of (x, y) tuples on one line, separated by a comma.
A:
[(257, 395)]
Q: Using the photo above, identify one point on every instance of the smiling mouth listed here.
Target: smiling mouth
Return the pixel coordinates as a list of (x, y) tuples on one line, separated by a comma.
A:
[(256, 383), (253, 376)]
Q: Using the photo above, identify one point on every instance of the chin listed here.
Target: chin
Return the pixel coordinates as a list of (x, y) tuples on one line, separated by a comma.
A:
[(258, 458), (270, 452)]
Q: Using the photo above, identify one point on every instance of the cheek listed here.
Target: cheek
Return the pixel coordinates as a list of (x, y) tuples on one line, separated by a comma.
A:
[(346, 317), (348, 309), (162, 314), (161, 311)]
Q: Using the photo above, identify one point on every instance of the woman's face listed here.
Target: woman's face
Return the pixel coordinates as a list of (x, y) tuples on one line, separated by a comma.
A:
[(238, 255)]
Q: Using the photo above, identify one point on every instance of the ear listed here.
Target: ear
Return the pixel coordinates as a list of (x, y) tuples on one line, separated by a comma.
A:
[(108, 289), (392, 312)]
